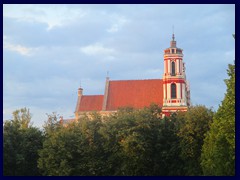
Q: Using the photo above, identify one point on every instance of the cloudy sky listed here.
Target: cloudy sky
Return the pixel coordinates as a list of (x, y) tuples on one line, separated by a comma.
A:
[(49, 50)]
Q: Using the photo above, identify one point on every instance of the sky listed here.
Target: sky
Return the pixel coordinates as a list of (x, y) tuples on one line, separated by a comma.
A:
[(49, 51)]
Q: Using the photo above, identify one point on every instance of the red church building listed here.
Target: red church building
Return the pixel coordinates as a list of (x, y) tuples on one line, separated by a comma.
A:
[(171, 93)]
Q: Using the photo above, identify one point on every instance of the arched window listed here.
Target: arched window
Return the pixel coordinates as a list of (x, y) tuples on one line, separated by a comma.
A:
[(173, 91), (173, 68)]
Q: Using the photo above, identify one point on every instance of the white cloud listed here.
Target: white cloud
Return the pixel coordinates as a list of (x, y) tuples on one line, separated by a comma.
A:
[(119, 23), (23, 50), (18, 48), (97, 49), (53, 16), (131, 39), (109, 59)]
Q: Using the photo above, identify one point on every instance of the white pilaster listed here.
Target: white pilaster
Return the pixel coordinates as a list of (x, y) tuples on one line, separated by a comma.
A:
[(176, 66), (164, 91), (165, 67), (179, 72), (180, 66), (178, 91), (168, 66), (168, 91)]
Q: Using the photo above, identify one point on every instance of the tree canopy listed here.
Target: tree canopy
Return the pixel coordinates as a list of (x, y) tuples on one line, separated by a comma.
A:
[(218, 155), (21, 143)]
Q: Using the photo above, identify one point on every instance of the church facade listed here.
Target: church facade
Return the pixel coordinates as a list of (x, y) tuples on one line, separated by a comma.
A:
[(171, 93)]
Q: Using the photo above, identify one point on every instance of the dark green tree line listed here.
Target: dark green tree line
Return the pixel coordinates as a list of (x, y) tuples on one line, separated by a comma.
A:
[(218, 155), (193, 125), (21, 143), (127, 143)]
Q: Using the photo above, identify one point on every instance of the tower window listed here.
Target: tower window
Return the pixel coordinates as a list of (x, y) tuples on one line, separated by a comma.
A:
[(172, 51), (173, 69), (173, 91)]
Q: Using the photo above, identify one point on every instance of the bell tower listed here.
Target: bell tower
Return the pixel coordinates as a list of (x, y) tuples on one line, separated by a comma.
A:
[(176, 92)]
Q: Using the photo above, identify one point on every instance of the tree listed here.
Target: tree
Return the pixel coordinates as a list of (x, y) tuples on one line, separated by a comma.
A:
[(56, 152), (52, 124), (218, 155), (193, 126), (129, 142), (21, 143), (139, 142), (74, 150)]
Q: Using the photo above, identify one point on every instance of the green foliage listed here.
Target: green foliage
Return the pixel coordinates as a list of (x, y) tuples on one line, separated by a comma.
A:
[(21, 142), (193, 126), (52, 124), (139, 142), (73, 150), (55, 156), (129, 142), (22, 118), (218, 155)]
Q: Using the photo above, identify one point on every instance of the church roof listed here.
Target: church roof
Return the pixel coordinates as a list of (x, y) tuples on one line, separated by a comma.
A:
[(125, 93), (91, 103), (134, 93)]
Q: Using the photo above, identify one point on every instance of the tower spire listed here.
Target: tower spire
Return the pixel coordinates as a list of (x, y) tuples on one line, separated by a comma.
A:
[(173, 43), (173, 37), (173, 34)]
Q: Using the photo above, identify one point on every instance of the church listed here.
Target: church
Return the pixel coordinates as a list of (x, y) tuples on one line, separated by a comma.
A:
[(171, 93)]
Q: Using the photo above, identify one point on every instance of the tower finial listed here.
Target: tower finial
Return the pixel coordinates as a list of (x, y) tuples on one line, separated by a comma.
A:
[(80, 83), (107, 74), (173, 34)]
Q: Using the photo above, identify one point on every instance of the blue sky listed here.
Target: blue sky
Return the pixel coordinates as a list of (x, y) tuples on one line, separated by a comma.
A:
[(48, 50)]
